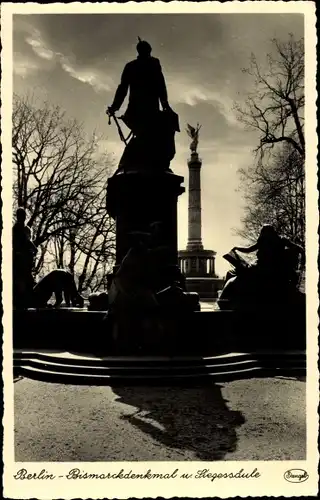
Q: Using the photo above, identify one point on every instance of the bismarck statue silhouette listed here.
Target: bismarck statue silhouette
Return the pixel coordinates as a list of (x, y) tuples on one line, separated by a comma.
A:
[(142, 198), (152, 129)]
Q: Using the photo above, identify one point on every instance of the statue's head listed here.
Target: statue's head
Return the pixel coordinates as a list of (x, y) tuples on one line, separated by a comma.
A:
[(21, 214), (143, 48)]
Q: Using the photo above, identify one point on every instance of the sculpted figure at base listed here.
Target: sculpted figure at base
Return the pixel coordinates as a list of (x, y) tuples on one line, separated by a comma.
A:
[(152, 143), (59, 283), (132, 302), (143, 288), (27, 293), (130, 288), (273, 279), (23, 254)]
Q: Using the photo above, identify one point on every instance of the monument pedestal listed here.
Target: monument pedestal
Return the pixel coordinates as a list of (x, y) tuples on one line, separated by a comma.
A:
[(136, 199)]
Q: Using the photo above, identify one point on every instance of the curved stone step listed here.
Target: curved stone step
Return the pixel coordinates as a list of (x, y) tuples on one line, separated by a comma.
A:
[(74, 358), (90, 379), (72, 368), (61, 364), (134, 370)]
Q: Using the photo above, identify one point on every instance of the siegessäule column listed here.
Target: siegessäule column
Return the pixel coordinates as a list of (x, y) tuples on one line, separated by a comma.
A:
[(194, 209)]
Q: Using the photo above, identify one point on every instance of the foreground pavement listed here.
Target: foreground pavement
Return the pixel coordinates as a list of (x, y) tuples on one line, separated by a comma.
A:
[(256, 419)]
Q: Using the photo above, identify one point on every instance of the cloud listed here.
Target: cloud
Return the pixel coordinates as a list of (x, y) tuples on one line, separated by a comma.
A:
[(99, 82), (24, 67), (39, 47), (27, 49), (86, 75), (190, 96), (193, 93)]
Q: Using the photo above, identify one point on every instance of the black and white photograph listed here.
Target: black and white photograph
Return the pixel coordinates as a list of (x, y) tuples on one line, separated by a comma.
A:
[(159, 249)]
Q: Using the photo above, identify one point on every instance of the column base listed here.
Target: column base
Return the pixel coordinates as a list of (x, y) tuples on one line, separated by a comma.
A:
[(195, 245)]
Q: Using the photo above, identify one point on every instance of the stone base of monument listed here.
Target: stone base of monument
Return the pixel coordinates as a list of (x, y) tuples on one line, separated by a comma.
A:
[(163, 335), (195, 333), (79, 347)]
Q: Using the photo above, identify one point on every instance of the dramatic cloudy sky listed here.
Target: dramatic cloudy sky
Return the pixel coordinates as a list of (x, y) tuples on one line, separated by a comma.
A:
[(75, 60)]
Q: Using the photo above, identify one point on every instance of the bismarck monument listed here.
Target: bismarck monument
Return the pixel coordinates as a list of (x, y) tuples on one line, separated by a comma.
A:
[(196, 263), (143, 193), (144, 190)]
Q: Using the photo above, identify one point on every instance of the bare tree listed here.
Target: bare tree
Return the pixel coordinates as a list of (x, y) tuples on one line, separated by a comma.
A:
[(274, 189), (60, 178), (275, 108), (276, 195), (91, 247)]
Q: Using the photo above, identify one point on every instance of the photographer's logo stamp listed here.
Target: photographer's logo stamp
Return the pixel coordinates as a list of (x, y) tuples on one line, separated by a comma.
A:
[(296, 475)]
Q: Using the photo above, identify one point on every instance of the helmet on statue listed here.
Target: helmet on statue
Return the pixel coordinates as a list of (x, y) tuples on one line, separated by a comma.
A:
[(143, 48)]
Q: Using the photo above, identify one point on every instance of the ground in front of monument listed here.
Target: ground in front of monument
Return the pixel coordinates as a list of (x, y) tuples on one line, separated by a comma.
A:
[(254, 419)]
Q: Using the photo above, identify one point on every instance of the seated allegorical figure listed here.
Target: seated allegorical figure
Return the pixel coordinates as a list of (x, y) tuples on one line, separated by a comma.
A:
[(132, 301), (59, 283), (130, 289), (273, 279), (276, 256)]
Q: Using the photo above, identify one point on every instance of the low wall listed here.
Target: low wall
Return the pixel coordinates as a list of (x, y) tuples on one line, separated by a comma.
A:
[(203, 333)]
